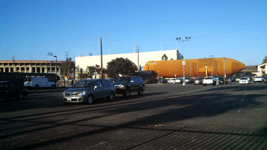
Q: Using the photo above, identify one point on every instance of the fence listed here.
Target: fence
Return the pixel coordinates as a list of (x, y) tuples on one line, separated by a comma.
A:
[(66, 83)]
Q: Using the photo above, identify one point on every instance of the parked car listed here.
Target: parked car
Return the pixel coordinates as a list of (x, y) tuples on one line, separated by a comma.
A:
[(171, 81), (189, 80), (8, 91), (258, 79), (198, 81), (162, 81), (244, 80), (129, 84), (37, 82), (174, 81), (179, 80), (228, 80), (88, 90), (208, 80), (221, 80), (237, 79)]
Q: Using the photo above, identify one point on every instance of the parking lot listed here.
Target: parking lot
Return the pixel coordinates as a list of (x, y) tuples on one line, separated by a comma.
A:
[(167, 116)]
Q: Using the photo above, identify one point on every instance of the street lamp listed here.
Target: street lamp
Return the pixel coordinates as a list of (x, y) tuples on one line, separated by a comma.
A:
[(211, 56), (137, 49), (178, 38), (183, 62), (50, 54), (56, 64)]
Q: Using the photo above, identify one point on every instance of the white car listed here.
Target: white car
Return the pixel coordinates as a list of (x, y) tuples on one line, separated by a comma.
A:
[(178, 80), (208, 81), (244, 80), (258, 79)]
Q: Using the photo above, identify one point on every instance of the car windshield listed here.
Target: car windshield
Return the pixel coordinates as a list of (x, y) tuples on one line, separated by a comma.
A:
[(123, 79), (244, 78), (83, 84)]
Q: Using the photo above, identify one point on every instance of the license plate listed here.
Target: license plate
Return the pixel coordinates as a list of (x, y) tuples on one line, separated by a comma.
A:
[(68, 98)]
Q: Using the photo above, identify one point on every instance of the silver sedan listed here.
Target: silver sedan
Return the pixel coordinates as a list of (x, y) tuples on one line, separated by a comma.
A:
[(88, 90)]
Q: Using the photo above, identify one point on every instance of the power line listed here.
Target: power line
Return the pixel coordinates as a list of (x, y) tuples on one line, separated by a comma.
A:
[(251, 41)]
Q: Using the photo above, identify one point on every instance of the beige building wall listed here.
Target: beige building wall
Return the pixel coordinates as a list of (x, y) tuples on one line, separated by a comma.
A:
[(261, 69), (144, 57), (27, 66)]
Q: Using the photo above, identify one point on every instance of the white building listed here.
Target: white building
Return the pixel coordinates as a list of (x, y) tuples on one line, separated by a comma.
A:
[(144, 57), (261, 69)]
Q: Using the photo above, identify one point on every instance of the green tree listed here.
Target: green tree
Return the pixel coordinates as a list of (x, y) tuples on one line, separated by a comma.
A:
[(92, 70), (120, 66), (67, 67), (264, 60), (164, 57)]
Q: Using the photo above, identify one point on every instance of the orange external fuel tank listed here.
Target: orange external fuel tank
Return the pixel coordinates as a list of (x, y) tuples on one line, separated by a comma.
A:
[(195, 67)]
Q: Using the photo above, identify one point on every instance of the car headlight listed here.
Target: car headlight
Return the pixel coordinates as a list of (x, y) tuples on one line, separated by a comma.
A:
[(121, 86), (82, 93)]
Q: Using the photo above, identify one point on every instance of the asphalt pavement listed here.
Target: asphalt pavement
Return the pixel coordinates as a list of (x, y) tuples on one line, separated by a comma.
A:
[(167, 116)]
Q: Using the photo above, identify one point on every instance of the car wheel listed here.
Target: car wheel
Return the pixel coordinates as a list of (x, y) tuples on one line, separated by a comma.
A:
[(36, 87), (111, 96), (127, 93), (20, 96), (90, 99), (140, 92)]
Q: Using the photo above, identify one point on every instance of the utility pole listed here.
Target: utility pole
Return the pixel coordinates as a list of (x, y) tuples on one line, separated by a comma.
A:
[(101, 58), (224, 69), (137, 49), (67, 54), (211, 56), (56, 64)]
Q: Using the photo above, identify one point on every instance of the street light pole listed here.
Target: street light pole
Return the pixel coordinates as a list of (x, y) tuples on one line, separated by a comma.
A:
[(137, 49), (50, 54), (56, 64), (183, 62), (67, 54), (211, 56)]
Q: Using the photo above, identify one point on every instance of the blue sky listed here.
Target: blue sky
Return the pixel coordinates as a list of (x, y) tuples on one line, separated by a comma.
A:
[(237, 29)]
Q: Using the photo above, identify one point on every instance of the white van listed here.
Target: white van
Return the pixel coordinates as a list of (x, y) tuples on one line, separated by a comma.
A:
[(35, 82)]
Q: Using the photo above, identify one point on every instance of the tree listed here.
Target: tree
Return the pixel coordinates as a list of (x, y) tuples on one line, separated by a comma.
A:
[(164, 57), (67, 67), (92, 70), (264, 60), (120, 66)]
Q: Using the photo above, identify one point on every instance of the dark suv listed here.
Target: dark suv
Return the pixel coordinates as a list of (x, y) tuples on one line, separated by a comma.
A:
[(129, 84), (12, 90)]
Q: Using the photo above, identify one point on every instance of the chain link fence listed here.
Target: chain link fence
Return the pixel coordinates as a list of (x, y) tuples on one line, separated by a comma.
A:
[(66, 83)]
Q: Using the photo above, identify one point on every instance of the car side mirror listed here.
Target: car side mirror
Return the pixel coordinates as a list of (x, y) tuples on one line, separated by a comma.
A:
[(95, 87)]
